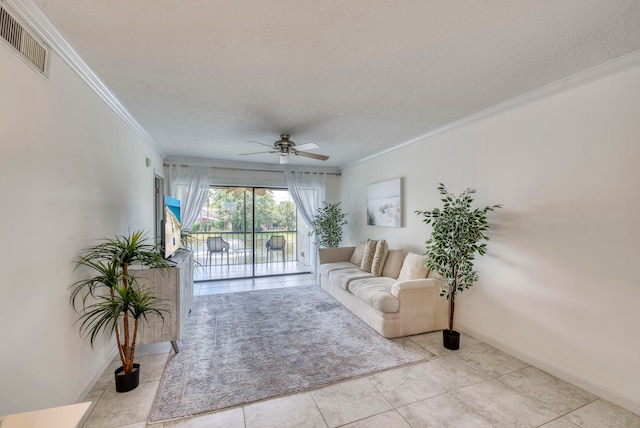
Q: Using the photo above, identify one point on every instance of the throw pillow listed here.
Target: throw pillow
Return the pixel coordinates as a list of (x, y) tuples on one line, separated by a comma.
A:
[(367, 257), (356, 257), (413, 267), (379, 257), (393, 264)]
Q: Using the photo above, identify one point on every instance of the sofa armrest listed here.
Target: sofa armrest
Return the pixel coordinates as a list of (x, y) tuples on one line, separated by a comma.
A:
[(431, 284), (332, 255), (421, 303)]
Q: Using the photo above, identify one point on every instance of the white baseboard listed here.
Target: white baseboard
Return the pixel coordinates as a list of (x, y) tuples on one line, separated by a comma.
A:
[(83, 395), (559, 371)]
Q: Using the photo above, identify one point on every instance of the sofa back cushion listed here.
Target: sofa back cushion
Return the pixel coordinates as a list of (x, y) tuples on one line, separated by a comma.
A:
[(436, 275), (413, 267), (393, 264), (379, 257), (356, 257), (367, 256)]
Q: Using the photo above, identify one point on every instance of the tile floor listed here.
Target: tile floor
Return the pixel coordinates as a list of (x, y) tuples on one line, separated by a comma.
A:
[(476, 386)]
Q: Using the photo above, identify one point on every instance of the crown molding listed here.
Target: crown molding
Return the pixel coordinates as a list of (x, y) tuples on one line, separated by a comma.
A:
[(249, 166), (582, 78), (38, 21)]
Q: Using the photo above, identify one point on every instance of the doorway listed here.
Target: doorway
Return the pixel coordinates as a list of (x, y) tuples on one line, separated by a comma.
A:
[(249, 232)]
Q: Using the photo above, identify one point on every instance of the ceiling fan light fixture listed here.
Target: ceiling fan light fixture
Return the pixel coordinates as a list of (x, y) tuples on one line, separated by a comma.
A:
[(284, 158)]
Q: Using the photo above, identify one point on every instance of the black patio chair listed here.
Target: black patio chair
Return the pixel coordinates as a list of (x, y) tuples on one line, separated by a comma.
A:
[(276, 243), (215, 245)]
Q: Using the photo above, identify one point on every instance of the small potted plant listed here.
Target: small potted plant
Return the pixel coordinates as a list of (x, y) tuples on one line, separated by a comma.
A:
[(458, 234), (327, 224), (112, 300)]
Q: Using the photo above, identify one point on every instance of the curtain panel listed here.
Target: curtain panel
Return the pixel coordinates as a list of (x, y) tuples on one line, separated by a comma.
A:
[(189, 184), (307, 190)]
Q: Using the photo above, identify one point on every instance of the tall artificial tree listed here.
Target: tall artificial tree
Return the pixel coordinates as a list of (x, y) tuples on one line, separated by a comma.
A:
[(111, 299), (458, 234)]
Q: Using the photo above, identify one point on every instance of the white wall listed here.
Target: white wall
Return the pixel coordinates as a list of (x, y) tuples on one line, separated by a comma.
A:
[(559, 285), (70, 172)]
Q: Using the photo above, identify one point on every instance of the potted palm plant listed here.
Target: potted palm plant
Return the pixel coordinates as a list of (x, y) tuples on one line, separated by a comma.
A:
[(458, 234), (327, 225), (112, 300)]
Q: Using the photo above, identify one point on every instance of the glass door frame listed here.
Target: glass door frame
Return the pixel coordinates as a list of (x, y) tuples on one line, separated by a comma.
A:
[(285, 223)]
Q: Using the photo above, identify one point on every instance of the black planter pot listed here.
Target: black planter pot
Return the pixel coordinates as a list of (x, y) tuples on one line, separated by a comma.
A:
[(451, 340), (129, 381)]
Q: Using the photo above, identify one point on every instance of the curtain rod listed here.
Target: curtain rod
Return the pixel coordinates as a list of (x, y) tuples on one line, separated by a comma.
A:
[(255, 170)]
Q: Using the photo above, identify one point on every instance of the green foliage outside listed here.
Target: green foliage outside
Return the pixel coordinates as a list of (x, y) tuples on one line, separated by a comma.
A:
[(458, 234), (327, 225), (227, 212)]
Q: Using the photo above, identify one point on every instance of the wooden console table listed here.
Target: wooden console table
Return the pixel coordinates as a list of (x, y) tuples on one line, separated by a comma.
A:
[(175, 287)]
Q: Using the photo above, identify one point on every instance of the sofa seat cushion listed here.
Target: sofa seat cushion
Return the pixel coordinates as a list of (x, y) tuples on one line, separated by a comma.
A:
[(376, 292), (325, 268), (342, 277)]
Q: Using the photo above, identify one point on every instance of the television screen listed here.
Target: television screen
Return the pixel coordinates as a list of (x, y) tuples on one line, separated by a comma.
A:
[(171, 226)]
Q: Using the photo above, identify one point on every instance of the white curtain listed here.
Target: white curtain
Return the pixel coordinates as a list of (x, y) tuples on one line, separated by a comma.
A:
[(308, 192), (189, 184)]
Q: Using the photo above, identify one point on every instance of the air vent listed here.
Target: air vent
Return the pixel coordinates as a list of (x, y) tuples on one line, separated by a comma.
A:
[(23, 42)]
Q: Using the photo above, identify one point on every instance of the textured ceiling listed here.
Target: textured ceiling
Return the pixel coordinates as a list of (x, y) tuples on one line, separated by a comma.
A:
[(356, 77)]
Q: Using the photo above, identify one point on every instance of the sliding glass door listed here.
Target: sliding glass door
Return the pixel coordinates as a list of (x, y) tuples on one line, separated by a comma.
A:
[(246, 232)]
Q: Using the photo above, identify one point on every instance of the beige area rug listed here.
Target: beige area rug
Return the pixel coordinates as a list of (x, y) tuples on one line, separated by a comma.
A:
[(245, 347)]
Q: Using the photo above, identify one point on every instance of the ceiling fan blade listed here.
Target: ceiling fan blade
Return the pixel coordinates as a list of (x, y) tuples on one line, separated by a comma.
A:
[(311, 155), (307, 146), (257, 153), (262, 144)]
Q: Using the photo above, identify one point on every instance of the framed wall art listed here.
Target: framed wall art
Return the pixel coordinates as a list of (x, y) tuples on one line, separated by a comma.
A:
[(384, 203)]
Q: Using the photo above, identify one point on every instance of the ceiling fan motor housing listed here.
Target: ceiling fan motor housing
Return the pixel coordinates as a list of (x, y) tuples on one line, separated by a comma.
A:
[(284, 144)]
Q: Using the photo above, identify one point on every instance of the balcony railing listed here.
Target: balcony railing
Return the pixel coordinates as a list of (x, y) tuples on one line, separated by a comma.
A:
[(243, 250)]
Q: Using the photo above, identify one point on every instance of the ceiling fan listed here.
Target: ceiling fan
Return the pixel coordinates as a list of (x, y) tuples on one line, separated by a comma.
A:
[(284, 146)]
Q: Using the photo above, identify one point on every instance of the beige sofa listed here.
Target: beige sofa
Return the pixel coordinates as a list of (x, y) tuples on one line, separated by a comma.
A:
[(390, 290)]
